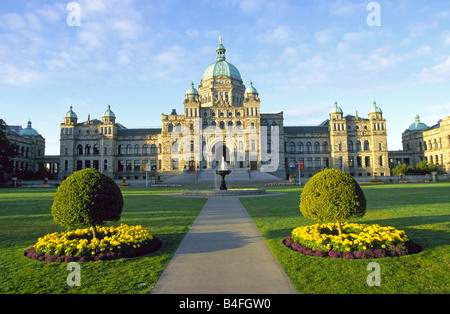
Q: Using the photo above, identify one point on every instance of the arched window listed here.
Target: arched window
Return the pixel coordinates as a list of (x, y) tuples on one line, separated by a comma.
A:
[(230, 125), (87, 149), (358, 146), (316, 147), (170, 127), (350, 146), (300, 147), (324, 146), (308, 147), (213, 125), (121, 150), (79, 150), (145, 149), (137, 149), (222, 125), (238, 125), (96, 149), (178, 127), (128, 149), (205, 125), (154, 150), (291, 147), (366, 145)]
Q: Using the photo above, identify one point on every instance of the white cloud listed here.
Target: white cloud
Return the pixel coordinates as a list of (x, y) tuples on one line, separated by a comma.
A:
[(324, 37), (280, 35), (438, 73), (346, 8), (12, 75)]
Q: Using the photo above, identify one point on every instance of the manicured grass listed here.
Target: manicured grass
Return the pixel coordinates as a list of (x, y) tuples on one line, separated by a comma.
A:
[(25, 216), (422, 210)]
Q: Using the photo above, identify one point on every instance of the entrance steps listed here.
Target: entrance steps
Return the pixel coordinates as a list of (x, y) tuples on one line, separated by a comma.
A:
[(208, 177)]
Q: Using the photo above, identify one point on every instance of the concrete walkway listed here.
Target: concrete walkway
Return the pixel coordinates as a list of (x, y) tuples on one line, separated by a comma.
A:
[(223, 253)]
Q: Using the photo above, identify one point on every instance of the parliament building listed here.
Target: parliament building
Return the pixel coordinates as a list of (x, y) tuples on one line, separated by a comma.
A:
[(221, 122)]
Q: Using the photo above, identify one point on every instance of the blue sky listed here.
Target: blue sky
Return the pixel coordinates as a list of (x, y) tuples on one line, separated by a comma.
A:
[(140, 57)]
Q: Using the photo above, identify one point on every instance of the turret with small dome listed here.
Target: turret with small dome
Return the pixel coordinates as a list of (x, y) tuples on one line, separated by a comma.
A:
[(28, 131), (109, 117)]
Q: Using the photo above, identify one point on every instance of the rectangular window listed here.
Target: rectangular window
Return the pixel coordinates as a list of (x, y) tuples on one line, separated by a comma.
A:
[(175, 163), (351, 161), (367, 161), (317, 162), (79, 164), (120, 165), (137, 165), (309, 162), (359, 161), (128, 165)]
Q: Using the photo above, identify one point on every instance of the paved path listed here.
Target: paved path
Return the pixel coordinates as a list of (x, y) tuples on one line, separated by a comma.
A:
[(223, 253)]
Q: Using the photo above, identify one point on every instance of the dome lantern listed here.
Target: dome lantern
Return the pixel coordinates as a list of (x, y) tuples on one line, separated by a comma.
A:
[(221, 67)]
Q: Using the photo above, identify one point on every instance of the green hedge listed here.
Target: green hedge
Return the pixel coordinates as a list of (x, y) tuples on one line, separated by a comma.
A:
[(332, 195), (87, 198)]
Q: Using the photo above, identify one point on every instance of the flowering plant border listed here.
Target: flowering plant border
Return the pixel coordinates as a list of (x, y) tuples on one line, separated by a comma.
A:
[(361, 241), (77, 246), (281, 184)]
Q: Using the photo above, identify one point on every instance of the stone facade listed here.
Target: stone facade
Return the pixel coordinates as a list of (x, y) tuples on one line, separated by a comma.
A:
[(421, 142), (221, 121), (31, 149), (437, 144)]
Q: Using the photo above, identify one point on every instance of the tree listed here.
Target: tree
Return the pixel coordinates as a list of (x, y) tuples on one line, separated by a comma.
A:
[(87, 198), (332, 195), (8, 151), (401, 169)]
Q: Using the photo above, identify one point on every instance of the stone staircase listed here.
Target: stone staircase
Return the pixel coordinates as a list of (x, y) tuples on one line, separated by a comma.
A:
[(208, 177)]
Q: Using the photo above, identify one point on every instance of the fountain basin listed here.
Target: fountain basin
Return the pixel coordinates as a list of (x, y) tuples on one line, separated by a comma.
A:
[(229, 192)]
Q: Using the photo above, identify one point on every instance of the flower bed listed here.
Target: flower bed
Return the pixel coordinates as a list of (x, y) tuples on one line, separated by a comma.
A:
[(403, 181), (357, 241), (79, 245), (165, 186), (280, 184)]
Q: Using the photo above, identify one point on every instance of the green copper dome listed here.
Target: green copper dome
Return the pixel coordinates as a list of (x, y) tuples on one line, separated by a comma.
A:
[(375, 108), (418, 126), (192, 90), (29, 131), (221, 67), (251, 89), (336, 108), (109, 113), (71, 114)]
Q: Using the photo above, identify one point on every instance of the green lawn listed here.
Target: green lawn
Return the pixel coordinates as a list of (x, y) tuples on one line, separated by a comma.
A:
[(423, 211), (25, 216)]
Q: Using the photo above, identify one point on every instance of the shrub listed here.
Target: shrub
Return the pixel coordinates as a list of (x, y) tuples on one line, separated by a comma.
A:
[(332, 195), (87, 198)]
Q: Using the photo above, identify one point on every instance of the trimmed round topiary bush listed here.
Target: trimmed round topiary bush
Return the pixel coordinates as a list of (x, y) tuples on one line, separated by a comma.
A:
[(332, 195), (87, 198)]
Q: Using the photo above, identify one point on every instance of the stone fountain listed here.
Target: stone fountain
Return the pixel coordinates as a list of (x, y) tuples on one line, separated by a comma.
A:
[(223, 190), (223, 171)]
